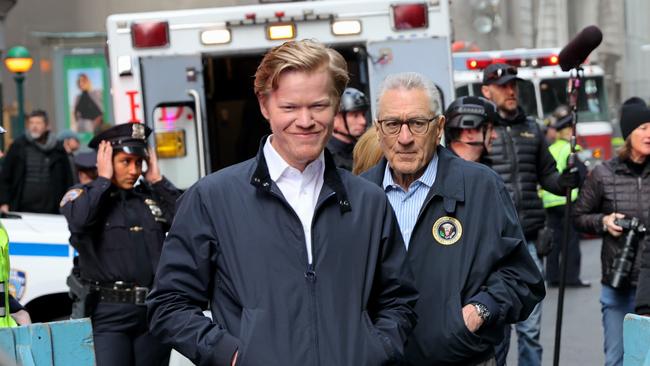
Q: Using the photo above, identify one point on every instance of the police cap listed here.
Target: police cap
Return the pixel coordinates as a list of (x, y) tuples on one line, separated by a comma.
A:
[(130, 138), (353, 100), (561, 117), (469, 112), (85, 160)]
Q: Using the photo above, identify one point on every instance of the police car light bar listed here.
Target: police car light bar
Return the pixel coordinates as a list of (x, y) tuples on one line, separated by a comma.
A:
[(346, 27), (150, 34), (410, 16)]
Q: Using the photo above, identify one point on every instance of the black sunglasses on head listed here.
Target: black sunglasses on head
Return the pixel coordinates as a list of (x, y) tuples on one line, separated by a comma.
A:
[(498, 73)]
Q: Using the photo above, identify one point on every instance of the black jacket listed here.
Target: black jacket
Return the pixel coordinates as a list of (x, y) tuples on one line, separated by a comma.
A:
[(12, 175), (237, 244), (613, 186), (102, 220), (520, 156), (489, 264), (341, 153)]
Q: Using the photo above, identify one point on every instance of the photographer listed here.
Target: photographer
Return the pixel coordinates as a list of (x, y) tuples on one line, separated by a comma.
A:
[(615, 194)]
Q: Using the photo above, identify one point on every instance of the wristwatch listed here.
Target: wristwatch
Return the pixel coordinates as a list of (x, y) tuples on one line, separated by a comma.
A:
[(482, 311)]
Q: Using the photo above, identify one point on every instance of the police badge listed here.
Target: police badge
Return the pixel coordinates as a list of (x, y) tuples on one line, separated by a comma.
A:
[(447, 230), (155, 210), (137, 131)]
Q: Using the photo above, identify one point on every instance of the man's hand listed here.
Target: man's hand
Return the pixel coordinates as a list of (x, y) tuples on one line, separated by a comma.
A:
[(569, 178), (153, 171), (22, 317), (105, 160), (472, 320), (4, 208), (608, 223), (234, 358)]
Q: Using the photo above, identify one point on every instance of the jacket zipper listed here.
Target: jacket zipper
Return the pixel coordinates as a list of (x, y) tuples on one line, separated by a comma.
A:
[(310, 276), (515, 168), (310, 273)]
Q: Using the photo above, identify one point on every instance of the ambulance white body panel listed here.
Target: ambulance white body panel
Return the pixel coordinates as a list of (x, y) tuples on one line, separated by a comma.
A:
[(189, 74)]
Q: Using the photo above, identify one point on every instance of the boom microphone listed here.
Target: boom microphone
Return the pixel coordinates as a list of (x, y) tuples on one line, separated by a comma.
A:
[(576, 51)]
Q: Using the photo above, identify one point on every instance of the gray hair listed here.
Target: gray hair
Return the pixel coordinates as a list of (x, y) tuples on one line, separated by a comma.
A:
[(409, 81)]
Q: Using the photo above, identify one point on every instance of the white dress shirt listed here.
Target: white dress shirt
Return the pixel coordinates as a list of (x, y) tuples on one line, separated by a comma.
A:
[(300, 189)]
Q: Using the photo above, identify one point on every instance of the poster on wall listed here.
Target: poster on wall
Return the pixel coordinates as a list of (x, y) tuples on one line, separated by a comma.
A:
[(86, 94)]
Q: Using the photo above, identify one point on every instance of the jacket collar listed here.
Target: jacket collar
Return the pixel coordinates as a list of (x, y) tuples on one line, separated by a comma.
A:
[(449, 184), (331, 178), (519, 118), (619, 166)]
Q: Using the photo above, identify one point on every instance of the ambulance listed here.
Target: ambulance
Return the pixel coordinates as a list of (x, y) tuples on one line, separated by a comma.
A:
[(189, 74), (543, 89)]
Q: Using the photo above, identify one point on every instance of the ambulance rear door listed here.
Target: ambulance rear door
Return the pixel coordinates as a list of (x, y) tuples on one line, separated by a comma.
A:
[(428, 56), (174, 103)]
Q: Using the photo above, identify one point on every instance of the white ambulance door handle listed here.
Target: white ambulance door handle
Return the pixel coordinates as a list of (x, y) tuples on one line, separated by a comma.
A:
[(198, 114)]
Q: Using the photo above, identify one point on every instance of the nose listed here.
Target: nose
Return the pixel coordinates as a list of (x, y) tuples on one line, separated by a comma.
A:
[(133, 168), (304, 118), (405, 136)]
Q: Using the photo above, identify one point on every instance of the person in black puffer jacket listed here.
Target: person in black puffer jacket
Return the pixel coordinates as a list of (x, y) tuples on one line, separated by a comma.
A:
[(520, 156), (617, 189)]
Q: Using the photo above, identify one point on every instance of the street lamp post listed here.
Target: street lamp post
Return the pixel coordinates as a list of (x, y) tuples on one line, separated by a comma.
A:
[(19, 61)]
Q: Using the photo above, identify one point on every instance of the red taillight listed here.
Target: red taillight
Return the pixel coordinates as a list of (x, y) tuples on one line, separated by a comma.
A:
[(150, 34), (474, 64), (410, 16)]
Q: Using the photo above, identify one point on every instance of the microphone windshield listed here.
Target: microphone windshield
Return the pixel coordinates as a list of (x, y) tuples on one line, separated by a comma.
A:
[(576, 51)]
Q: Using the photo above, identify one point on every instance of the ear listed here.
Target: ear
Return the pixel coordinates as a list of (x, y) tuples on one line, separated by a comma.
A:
[(375, 125), (441, 127), (262, 100), (485, 90)]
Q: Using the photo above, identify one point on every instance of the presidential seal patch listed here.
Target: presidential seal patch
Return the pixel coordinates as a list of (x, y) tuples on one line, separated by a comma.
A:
[(447, 230), (71, 195)]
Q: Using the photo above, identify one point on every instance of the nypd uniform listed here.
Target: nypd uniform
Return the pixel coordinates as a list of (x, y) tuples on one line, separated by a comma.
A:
[(119, 235)]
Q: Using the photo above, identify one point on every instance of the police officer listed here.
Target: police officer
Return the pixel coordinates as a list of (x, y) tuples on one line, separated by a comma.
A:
[(555, 206), (469, 130), (349, 124), (117, 224)]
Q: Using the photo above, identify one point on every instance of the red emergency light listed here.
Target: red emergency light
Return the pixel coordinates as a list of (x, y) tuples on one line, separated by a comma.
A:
[(410, 16), (548, 61), (474, 64), (150, 34)]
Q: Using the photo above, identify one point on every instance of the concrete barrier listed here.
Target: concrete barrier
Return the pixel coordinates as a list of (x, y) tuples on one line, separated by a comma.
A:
[(636, 340), (63, 343)]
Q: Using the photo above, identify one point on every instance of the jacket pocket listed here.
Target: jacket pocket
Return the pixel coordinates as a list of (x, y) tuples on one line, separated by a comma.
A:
[(463, 342), (246, 330), (379, 350)]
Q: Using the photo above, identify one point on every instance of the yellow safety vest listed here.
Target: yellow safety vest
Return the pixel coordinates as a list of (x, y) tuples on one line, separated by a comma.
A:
[(560, 149), (5, 317)]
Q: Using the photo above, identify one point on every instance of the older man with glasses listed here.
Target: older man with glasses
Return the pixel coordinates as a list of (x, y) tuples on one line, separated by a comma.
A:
[(464, 241)]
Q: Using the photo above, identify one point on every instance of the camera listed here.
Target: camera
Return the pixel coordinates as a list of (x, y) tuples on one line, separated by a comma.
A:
[(622, 265)]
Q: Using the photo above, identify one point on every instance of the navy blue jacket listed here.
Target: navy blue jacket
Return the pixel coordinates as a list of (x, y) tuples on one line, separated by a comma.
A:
[(237, 244), (486, 262)]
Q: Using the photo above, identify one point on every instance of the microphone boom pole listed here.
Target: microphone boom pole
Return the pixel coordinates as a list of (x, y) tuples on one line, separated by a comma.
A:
[(571, 57)]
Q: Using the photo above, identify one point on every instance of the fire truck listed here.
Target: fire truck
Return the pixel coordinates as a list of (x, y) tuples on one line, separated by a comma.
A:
[(543, 88), (189, 74)]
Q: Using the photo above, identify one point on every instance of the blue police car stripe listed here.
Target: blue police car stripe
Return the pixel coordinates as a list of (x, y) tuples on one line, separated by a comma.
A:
[(39, 249)]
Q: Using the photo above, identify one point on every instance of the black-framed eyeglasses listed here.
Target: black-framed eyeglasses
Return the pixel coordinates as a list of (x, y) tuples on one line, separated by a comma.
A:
[(417, 126), (498, 73)]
